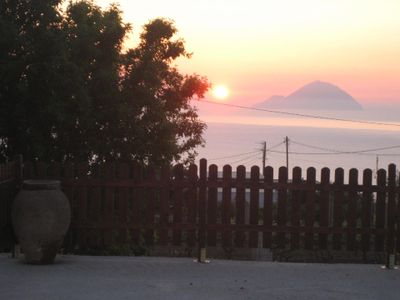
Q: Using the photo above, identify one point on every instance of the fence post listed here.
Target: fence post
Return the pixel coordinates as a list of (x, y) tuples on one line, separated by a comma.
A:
[(201, 258), (282, 207), (380, 212), (324, 209), (338, 196), (397, 218), (178, 204), (310, 209), (226, 206), (254, 205), (352, 208), (390, 237), (268, 206), (212, 206), (19, 175), (192, 196), (366, 206), (19, 167)]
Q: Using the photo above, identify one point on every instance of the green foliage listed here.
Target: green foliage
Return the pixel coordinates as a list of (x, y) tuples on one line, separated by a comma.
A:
[(69, 92)]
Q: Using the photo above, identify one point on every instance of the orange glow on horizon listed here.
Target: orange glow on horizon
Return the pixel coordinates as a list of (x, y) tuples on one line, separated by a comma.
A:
[(264, 48)]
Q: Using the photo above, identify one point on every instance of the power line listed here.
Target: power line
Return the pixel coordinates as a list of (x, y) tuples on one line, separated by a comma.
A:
[(315, 147), (317, 162), (346, 152), (334, 153), (276, 146), (283, 154), (253, 160), (330, 151), (300, 115), (322, 163), (244, 159), (381, 154), (235, 155)]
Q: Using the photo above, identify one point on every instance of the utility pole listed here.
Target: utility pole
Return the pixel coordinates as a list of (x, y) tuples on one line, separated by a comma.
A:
[(287, 153), (377, 167), (264, 156)]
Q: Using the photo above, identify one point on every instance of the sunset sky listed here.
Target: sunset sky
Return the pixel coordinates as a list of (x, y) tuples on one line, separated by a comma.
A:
[(260, 48)]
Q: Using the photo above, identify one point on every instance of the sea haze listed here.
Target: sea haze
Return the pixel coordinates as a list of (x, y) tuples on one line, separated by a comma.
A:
[(238, 132)]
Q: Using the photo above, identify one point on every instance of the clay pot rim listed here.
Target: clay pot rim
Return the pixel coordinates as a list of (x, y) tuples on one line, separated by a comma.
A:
[(41, 184)]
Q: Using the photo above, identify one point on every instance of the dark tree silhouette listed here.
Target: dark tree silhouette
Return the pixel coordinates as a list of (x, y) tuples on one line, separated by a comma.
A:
[(68, 91)]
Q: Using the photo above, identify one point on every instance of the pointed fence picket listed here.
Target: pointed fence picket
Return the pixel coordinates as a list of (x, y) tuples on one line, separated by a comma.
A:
[(10, 181)]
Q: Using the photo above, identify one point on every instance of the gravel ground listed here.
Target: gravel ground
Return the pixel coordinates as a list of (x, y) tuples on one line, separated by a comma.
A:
[(95, 277)]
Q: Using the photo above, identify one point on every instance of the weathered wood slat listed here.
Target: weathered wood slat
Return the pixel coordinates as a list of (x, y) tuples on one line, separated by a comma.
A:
[(240, 204), (41, 170), (191, 197), (212, 206), (164, 204), (282, 207), (75, 236), (178, 203), (96, 209), (202, 204), (150, 203), (123, 198), (136, 205), (380, 211), (254, 205), (391, 209), (81, 195), (295, 210), (54, 170), (338, 208), (352, 209), (397, 219), (268, 203), (366, 210), (9, 185), (4, 213), (109, 203), (324, 208), (28, 171), (310, 210), (227, 206)]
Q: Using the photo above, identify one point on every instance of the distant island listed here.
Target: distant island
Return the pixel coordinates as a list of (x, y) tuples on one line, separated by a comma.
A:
[(316, 95)]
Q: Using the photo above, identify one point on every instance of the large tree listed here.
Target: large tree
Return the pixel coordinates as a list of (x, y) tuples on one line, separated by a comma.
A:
[(69, 92)]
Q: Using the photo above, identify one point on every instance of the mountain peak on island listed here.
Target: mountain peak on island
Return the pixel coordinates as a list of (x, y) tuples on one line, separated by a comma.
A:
[(316, 95)]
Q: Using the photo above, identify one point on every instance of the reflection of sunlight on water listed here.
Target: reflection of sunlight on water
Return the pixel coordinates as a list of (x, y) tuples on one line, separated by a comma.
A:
[(236, 137), (234, 131), (297, 122), (225, 114)]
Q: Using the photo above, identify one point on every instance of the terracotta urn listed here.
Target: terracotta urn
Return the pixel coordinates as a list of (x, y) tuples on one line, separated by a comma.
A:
[(41, 215)]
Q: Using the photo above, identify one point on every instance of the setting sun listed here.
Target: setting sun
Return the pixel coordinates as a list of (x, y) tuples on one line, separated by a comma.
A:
[(220, 92)]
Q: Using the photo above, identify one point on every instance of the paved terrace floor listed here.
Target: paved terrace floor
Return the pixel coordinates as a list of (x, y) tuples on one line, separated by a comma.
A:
[(94, 277)]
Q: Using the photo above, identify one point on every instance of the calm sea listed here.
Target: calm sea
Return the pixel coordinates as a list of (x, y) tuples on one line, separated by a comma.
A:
[(230, 136)]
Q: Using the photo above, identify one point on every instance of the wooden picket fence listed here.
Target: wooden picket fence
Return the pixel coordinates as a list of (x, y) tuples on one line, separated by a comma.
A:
[(122, 204), (10, 177)]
